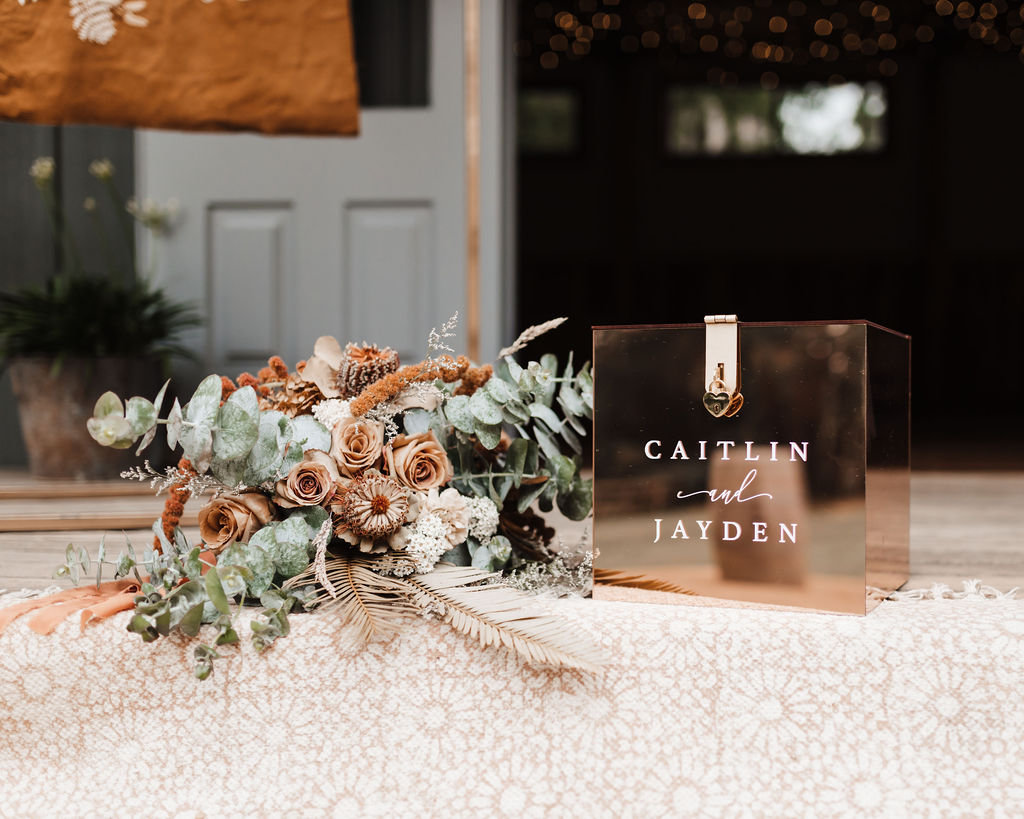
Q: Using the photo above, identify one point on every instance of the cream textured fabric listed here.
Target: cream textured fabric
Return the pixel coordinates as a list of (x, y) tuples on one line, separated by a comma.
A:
[(915, 710)]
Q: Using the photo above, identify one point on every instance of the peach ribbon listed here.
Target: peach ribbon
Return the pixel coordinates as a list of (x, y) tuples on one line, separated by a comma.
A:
[(94, 603)]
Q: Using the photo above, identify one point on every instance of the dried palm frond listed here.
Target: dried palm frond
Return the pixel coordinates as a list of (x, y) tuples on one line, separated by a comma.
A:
[(373, 604), (529, 334), (613, 577), (497, 614)]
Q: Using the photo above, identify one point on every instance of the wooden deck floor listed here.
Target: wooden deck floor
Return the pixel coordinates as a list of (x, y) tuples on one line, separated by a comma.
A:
[(963, 525)]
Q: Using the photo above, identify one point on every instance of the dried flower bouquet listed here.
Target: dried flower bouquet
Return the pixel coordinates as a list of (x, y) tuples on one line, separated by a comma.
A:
[(364, 490)]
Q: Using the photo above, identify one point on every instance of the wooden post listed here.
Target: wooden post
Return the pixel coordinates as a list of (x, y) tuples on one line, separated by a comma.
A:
[(471, 33)]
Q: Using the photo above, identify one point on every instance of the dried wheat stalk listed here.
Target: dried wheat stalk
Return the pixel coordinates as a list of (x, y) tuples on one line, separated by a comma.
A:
[(530, 333)]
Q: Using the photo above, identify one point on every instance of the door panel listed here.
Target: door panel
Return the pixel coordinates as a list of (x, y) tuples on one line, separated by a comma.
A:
[(283, 239), (250, 252), (390, 277)]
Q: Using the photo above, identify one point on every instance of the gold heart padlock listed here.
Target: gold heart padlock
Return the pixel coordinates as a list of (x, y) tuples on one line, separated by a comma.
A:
[(719, 403)]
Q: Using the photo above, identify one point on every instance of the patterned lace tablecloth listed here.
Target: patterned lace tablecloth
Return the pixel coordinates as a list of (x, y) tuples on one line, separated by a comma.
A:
[(914, 710)]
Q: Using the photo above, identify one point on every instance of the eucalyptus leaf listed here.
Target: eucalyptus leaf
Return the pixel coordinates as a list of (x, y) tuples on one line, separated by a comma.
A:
[(293, 455), (159, 400), (107, 404), (504, 486), (197, 444), (237, 425), (416, 421), (528, 495), (489, 436), (82, 558), (193, 565), (498, 390), (571, 439), (570, 401), (229, 473), (234, 580), (289, 553), (161, 538), (147, 439), (546, 501), (514, 370), (577, 504), (265, 457), (458, 413), (500, 547), (193, 619), (255, 559), (174, 419), (101, 554), (547, 415), (205, 401), (310, 433), (519, 409), (515, 460), (546, 442), (573, 420), (482, 559), (458, 556), (563, 472), (141, 414), (215, 590)]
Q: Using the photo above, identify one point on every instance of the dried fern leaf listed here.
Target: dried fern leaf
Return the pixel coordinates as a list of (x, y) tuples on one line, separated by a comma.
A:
[(496, 614), (613, 577), (371, 603)]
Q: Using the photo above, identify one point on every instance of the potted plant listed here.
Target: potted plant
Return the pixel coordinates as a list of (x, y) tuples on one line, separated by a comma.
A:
[(82, 332)]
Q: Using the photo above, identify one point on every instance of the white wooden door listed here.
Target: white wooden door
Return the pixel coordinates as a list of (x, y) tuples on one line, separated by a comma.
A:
[(283, 239)]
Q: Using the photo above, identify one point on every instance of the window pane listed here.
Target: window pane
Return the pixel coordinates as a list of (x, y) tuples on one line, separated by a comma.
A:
[(812, 119), (392, 44), (548, 121)]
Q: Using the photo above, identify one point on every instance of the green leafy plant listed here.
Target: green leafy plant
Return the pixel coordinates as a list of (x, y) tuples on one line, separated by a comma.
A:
[(78, 313), (548, 407)]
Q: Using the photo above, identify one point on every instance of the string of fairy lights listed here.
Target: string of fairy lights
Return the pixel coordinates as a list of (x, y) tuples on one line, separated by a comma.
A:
[(767, 34)]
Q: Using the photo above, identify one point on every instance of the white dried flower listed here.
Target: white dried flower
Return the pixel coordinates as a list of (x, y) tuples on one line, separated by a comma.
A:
[(102, 169), (42, 170), (332, 412), (483, 518), (89, 204), (427, 541)]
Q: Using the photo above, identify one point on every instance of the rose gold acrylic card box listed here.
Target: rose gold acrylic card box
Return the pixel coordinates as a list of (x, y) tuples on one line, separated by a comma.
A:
[(800, 498)]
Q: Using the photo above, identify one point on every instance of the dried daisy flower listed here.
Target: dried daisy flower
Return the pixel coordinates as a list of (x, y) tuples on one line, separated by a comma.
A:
[(364, 365), (370, 509)]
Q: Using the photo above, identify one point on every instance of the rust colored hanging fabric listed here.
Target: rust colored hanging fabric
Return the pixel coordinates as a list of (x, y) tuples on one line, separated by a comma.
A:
[(275, 66)]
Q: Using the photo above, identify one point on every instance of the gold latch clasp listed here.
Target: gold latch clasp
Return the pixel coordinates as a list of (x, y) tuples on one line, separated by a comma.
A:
[(722, 396)]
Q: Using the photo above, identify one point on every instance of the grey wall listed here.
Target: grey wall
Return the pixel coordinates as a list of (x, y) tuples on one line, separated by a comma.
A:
[(28, 254)]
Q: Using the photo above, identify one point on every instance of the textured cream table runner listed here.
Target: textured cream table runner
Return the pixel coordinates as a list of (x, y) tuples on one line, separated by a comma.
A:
[(915, 710)]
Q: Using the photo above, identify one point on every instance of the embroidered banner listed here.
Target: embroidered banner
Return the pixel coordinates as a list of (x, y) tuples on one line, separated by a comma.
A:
[(199, 65)]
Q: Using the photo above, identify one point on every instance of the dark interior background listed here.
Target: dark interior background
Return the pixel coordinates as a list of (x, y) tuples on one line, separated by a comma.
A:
[(923, 237)]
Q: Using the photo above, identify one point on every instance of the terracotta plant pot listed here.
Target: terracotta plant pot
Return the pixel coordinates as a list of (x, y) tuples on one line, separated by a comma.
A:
[(54, 404)]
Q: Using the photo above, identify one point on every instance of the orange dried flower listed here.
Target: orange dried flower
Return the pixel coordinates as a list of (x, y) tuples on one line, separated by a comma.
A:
[(473, 379), (446, 368), (174, 506), (266, 374), (276, 363), (300, 366), (248, 380), (227, 386)]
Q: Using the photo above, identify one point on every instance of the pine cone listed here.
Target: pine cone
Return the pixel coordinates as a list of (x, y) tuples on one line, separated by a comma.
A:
[(363, 366)]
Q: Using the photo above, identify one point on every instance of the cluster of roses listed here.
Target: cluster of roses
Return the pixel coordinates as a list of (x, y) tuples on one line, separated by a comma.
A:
[(383, 496)]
